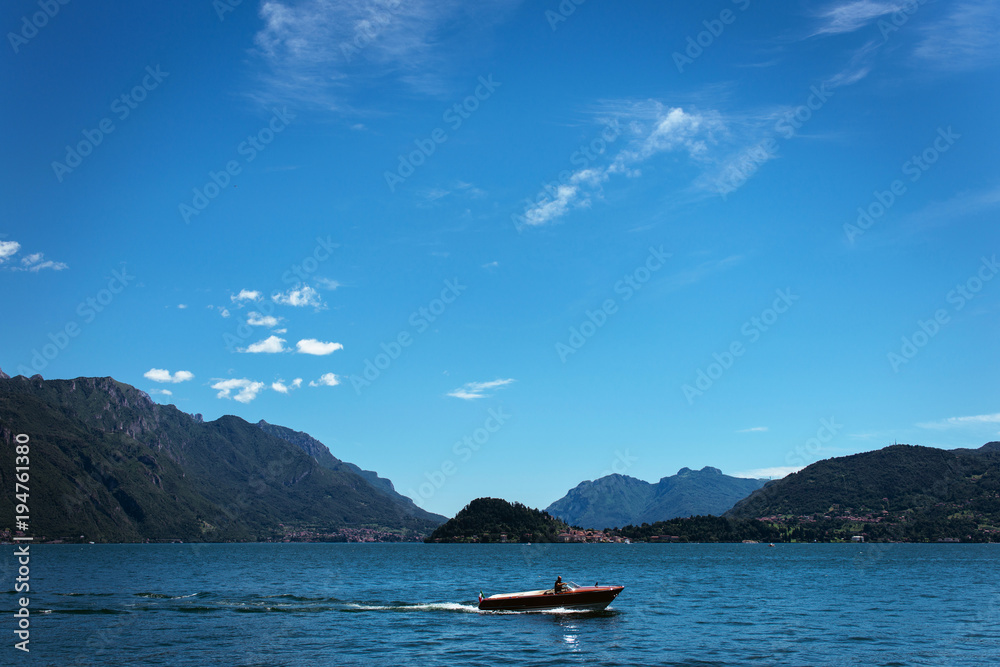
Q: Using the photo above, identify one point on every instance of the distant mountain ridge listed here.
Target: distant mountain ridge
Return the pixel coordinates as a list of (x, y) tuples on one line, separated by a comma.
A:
[(618, 500), (109, 464), (321, 453)]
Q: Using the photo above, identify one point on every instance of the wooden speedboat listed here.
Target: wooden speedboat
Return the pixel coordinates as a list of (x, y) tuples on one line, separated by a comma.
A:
[(592, 598)]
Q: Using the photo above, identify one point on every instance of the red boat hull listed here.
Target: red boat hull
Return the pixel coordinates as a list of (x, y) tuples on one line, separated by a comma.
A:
[(592, 598)]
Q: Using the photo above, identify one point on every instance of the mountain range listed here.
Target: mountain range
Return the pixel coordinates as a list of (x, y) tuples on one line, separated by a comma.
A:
[(109, 464), (619, 500)]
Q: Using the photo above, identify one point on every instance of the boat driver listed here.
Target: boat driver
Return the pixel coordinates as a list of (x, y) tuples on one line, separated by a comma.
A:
[(559, 586)]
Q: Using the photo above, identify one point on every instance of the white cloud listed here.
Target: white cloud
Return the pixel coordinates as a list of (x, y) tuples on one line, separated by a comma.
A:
[(246, 295), (248, 389), (163, 375), (777, 472), (753, 429), (162, 392), (958, 422), (653, 129), (491, 265), (304, 296), (852, 16), (473, 390), (328, 284), (224, 311), (325, 380), (317, 347), (182, 306), (318, 52), (968, 38), (34, 262), (283, 388), (8, 249), (255, 319), (269, 345)]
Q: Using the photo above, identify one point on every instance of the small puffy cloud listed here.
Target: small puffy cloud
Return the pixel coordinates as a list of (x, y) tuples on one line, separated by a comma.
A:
[(491, 265), (246, 390), (325, 380), (182, 306), (270, 345), (255, 319), (473, 390), (246, 295), (224, 311), (283, 388), (753, 429), (317, 347), (304, 296), (162, 392), (8, 249), (163, 375)]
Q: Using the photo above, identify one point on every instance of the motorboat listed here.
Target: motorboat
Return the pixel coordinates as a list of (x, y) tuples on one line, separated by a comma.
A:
[(572, 596)]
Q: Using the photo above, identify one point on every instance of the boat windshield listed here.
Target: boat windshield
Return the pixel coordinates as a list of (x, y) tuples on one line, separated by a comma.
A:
[(571, 585)]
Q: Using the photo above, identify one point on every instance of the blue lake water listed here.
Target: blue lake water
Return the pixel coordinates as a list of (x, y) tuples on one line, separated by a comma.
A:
[(397, 604)]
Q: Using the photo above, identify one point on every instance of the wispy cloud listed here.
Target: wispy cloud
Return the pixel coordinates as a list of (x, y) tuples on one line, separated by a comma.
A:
[(962, 422), (473, 390), (8, 249), (777, 472), (327, 284), (163, 375), (246, 390), (967, 38), (317, 347), (753, 429), (851, 16), (318, 51)]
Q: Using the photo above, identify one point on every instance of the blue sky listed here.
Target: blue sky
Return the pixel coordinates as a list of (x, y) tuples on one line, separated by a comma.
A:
[(496, 250)]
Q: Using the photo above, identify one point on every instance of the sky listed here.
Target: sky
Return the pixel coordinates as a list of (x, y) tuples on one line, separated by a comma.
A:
[(500, 248)]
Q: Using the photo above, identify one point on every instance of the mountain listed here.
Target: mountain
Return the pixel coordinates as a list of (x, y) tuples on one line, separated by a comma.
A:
[(321, 454), (896, 480), (619, 500), (488, 519), (109, 464)]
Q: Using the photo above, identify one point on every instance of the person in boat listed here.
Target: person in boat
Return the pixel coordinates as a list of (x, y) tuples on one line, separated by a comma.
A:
[(559, 586)]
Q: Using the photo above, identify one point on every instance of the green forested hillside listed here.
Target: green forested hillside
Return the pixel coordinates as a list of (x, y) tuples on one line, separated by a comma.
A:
[(486, 519), (108, 464)]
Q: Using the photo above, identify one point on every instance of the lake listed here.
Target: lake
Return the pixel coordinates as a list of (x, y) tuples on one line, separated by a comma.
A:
[(394, 604)]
